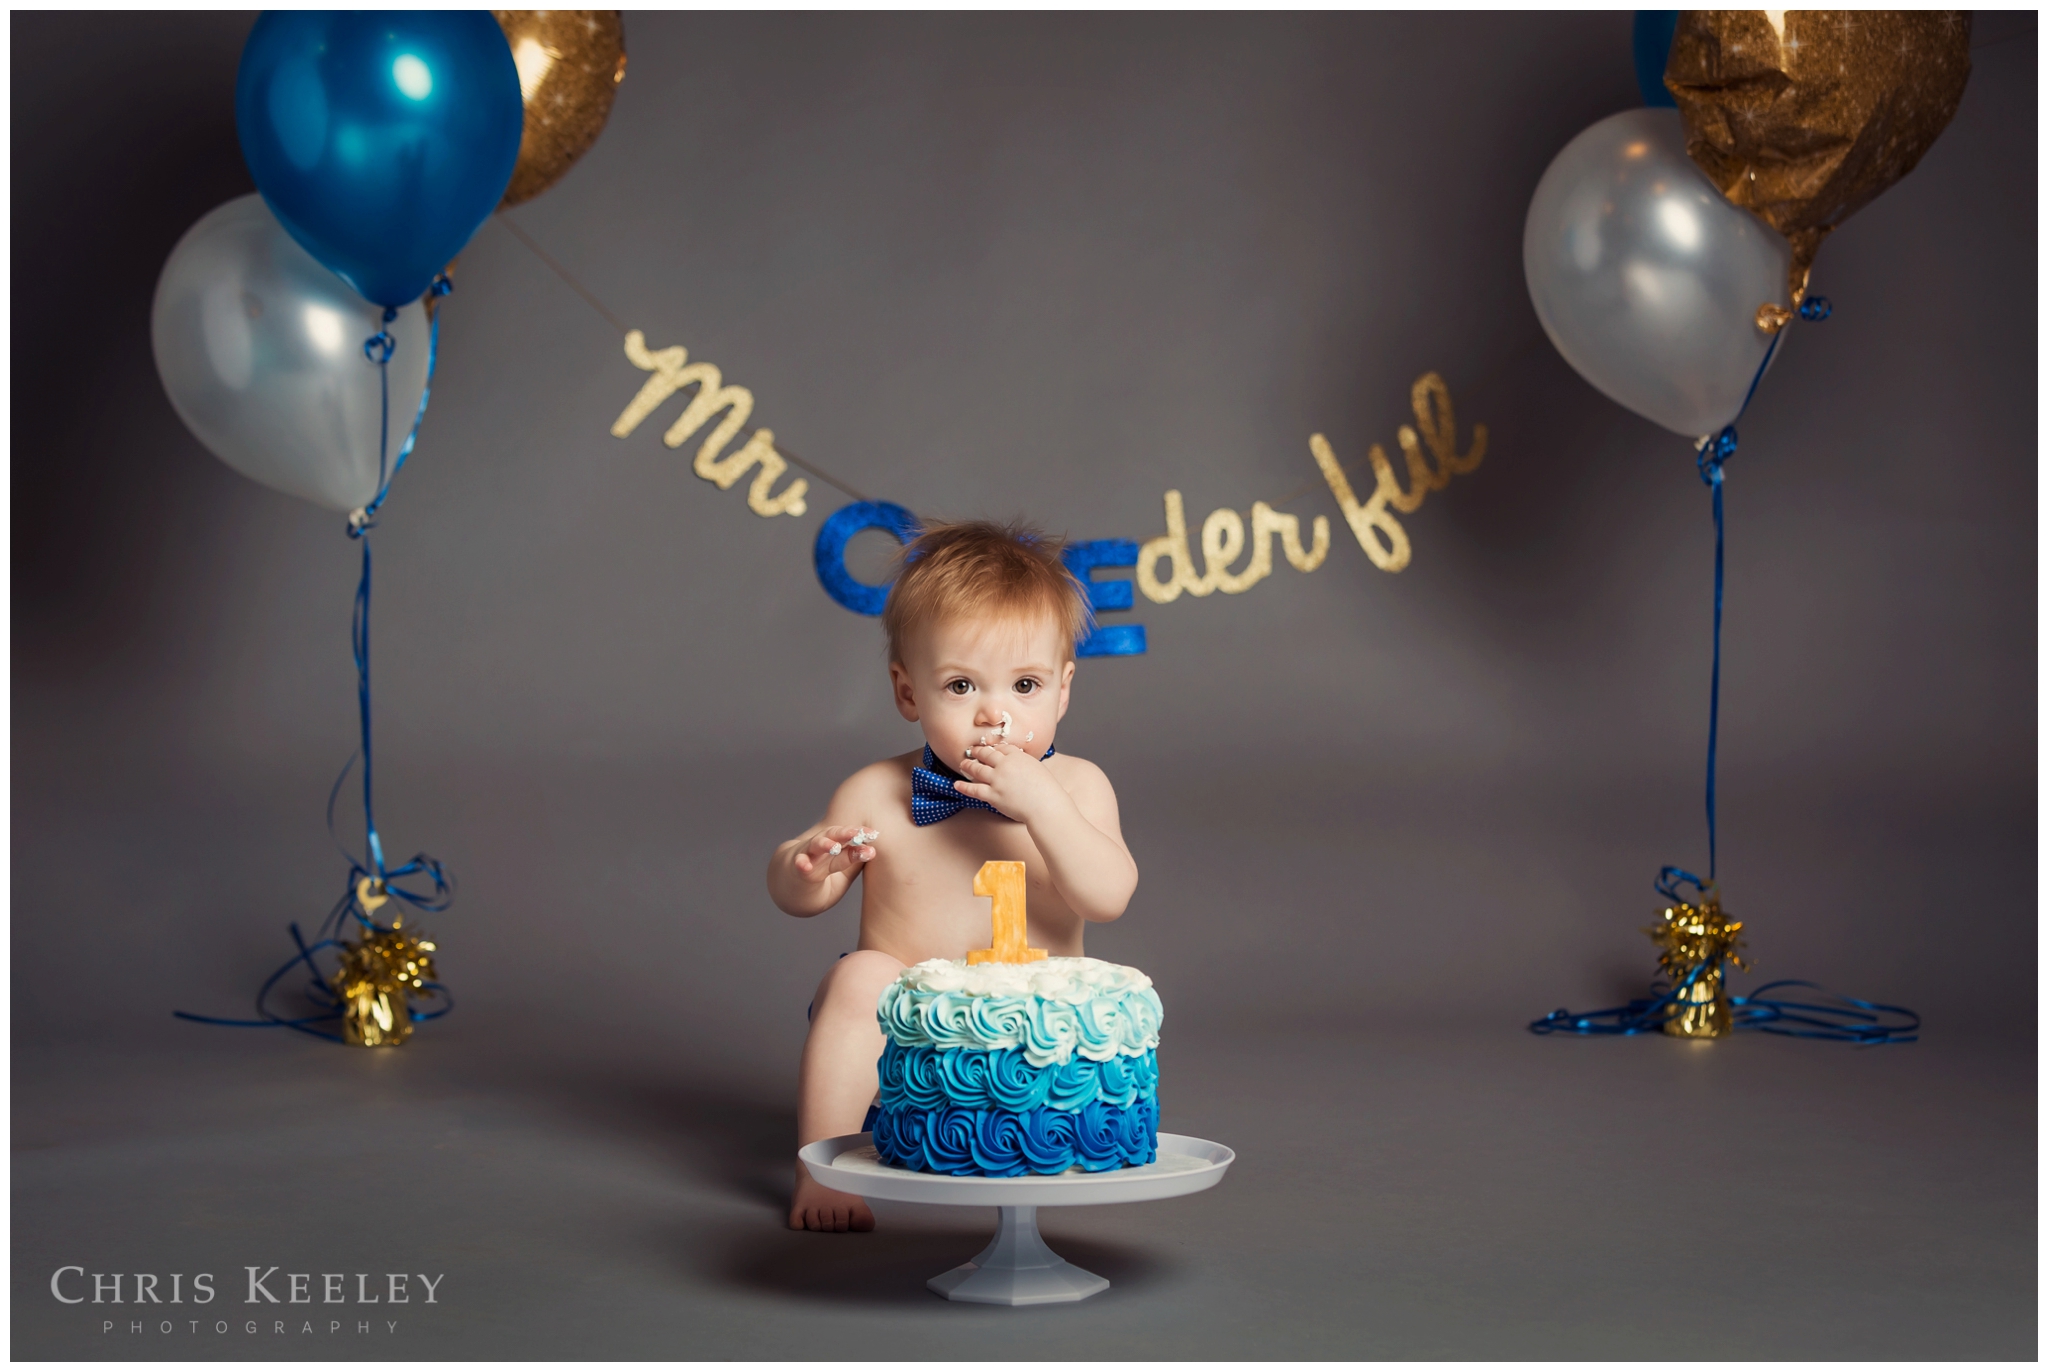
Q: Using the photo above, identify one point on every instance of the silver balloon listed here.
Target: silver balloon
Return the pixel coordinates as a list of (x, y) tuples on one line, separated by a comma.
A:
[(1646, 278), (261, 350)]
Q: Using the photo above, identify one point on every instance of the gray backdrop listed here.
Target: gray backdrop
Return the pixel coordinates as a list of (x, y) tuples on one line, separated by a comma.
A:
[(1047, 266)]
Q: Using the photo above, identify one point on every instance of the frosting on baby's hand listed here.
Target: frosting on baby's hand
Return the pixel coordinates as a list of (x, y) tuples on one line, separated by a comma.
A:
[(862, 837)]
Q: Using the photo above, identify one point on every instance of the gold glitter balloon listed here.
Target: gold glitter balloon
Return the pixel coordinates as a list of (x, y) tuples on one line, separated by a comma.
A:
[(374, 980), (1690, 936), (570, 65), (1806, 116)]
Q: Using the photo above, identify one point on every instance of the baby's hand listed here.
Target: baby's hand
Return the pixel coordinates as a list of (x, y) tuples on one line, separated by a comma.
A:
[(838, 849), (1015, 781)]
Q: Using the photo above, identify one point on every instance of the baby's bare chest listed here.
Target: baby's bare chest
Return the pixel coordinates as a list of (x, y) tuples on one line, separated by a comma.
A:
[(927, 873)]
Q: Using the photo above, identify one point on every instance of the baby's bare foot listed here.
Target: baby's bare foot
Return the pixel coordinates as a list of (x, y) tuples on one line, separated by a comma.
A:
[(820, 1208)]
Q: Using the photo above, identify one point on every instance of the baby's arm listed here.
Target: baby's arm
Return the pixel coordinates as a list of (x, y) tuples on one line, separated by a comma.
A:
[(1075, 825), (809, 874)]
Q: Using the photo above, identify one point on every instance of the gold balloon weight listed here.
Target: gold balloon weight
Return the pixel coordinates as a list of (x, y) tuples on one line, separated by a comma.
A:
[(1696, 942), (378, 975), (570, 65)]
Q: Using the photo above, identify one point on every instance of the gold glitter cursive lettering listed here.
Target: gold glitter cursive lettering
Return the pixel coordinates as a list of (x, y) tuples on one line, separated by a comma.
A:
[(1373, 521), (673, 371), (1223, 539)]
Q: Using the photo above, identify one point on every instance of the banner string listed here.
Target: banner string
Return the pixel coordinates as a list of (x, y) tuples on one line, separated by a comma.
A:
[(590, 298), (368, 877)]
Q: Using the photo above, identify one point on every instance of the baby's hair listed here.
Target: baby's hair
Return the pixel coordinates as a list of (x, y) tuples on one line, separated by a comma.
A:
[(976, 568)]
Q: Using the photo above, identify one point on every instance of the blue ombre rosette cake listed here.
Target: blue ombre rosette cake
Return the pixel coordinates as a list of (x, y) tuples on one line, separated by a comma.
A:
[(1001, 1069)]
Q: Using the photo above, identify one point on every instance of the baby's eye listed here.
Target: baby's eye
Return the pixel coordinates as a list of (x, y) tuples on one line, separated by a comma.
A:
[(1025, 687), (959, 686)]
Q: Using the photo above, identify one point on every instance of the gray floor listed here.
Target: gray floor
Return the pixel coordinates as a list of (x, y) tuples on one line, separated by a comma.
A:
[(594, 1148), (1398, 1194)]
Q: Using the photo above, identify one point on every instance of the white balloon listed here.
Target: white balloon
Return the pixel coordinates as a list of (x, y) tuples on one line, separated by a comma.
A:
[(261, 351), (1646, 278)]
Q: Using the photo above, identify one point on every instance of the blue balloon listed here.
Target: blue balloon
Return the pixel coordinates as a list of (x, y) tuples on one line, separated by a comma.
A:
[(380, 140), (1654, 30)]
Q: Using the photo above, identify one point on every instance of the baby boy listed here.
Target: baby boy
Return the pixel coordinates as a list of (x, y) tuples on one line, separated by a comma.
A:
[(982, 622)]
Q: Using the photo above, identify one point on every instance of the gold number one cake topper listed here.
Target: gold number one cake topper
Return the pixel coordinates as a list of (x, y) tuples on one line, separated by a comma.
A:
[(1003, 884)]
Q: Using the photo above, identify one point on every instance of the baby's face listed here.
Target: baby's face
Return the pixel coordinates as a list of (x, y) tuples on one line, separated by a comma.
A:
[(960, 677)]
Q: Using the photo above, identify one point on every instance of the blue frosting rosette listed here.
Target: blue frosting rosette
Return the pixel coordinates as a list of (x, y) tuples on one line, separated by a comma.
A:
[(1009, 1069)]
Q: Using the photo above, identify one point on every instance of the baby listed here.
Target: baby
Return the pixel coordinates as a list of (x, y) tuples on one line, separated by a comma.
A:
[(982, 622)]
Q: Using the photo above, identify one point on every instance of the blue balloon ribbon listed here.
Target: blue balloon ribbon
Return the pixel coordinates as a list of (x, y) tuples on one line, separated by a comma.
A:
[(1842, 1019), (1713, 456), (378, 350)]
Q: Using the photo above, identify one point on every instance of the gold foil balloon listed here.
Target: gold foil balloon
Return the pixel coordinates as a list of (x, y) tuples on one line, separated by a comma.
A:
[(1806, 116), (570, 65)]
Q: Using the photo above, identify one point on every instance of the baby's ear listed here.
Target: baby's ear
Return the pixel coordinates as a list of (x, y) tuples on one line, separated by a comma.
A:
[(901, 689)]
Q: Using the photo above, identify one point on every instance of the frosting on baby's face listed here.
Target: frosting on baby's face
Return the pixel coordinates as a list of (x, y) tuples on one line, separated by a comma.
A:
[(965, 682)]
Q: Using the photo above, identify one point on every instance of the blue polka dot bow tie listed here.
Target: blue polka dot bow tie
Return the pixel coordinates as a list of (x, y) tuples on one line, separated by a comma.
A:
[(932, 797)]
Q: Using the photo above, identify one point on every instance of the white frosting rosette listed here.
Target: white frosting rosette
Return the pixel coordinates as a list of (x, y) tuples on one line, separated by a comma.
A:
[(1051, 1010)]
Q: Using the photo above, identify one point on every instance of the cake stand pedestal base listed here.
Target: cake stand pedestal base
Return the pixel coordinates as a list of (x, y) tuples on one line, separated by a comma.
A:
[(1017, 1268)]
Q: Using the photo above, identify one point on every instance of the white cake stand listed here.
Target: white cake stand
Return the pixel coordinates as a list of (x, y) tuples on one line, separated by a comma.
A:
[(1017, 1268)]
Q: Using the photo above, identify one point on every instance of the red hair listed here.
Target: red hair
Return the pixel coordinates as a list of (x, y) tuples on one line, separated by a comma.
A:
[(979, 569)]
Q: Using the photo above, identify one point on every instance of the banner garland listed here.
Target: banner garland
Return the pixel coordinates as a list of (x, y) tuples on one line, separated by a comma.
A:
[(1223, 536)]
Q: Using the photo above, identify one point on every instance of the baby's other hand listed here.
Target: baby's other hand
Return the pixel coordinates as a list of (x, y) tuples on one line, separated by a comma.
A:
[(834, 850), (1016, 782)]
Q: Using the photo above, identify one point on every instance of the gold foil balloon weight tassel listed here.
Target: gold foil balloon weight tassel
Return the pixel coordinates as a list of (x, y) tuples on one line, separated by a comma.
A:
[(1695, 944), (373, 1015), (379, 974), (1702, 1010)]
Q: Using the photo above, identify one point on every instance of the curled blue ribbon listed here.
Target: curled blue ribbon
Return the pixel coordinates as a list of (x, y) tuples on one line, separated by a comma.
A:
[(1670, 879), (1842, 1019), (377, 349), (316, 988)]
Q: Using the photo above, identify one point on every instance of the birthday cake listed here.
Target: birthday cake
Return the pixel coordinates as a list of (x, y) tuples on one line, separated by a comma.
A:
[(1005, 1068)]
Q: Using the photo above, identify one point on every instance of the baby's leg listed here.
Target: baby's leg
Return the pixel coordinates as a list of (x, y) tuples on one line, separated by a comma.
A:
[(838, 1081)]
